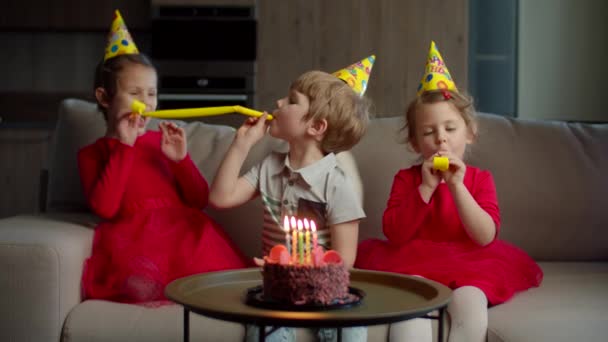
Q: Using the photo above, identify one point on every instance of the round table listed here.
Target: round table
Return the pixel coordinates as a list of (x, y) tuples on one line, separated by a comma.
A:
[(389, 298)]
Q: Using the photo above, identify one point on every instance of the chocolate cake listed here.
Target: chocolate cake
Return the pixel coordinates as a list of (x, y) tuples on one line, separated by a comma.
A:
[(323, 280)]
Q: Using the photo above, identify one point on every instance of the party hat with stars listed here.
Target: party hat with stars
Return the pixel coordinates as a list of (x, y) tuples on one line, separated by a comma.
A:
[(436, 74), (119, 39), (357, 75)]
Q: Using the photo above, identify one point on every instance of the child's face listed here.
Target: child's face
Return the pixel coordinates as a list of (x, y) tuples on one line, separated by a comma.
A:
[(288, 123), (135, 82), (440, 128)]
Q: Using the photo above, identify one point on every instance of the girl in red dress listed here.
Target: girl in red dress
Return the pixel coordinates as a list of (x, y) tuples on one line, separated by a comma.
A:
[(443, 225), (149, 192)]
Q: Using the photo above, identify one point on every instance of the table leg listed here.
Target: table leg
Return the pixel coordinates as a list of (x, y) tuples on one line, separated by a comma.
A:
[(440, 324), (339, 339), (186, 325), (261, 333)]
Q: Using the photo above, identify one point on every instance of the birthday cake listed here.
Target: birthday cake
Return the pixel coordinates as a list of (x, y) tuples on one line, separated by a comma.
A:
[(320, 278)]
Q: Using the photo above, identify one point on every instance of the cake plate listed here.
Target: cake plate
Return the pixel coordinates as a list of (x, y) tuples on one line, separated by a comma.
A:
[(255, 297)]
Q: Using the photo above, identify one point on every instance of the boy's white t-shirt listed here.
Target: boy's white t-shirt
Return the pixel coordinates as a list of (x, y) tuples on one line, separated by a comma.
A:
[(320, 191)]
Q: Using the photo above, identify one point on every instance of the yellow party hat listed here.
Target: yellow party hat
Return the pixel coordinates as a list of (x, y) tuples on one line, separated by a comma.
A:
[(436, 74), (119, 39), (357, 74)]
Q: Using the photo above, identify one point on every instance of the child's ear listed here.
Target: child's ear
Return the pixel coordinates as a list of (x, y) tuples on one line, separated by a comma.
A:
[(470, 138), (471, 133), (318, 128), (414, 145), (102, 97)]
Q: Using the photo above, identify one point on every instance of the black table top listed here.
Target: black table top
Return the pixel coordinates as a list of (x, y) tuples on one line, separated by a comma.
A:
[(389, 298)]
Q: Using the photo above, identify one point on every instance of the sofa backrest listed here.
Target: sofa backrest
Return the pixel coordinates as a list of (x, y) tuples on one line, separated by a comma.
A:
[(80, 123), (551, 179)]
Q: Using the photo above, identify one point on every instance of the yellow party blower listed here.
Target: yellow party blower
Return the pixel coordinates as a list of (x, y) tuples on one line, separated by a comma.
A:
[(139, 107), (441, 163)]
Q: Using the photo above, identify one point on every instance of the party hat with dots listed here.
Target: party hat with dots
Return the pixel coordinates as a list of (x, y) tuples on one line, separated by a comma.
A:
[(357, 74), (436, 74), (119, 39)]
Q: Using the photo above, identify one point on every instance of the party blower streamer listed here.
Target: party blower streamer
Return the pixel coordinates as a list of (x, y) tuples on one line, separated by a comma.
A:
[(355, 75), (139, 107)]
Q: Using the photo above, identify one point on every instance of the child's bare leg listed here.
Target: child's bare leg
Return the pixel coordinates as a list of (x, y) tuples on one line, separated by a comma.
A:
[(417, 329), (468, 312)]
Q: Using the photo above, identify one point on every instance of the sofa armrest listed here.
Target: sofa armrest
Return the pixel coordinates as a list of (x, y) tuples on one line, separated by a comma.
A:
[(41, 259)]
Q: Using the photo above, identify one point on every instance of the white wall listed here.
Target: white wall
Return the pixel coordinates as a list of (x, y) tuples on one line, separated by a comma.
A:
[(563, 59)]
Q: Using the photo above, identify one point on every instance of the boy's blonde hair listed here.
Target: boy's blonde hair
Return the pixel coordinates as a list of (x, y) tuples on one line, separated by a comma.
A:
[(462, 101), (347, 113)]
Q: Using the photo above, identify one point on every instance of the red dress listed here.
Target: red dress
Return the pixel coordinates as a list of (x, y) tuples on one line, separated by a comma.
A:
[(154, 229), (429, 240)]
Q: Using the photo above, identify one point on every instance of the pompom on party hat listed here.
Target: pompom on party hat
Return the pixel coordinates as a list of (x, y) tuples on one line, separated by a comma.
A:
[(436, 74), (120, 41), (357, 74)]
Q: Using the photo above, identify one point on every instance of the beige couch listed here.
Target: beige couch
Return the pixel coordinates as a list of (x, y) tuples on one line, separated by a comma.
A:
[(552, 187)]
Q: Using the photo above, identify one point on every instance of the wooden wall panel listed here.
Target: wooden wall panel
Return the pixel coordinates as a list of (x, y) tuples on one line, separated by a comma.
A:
[(300, 35), (294, 36)]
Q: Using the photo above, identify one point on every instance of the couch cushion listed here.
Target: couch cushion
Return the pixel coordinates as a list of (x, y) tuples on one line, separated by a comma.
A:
[(79, 123), (550, 177), (379, 155), (551, 182), (97, 320), (41, 261), (570, 305)]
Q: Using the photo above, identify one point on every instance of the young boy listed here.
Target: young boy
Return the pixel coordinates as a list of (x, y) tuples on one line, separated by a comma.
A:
[(323, 114)]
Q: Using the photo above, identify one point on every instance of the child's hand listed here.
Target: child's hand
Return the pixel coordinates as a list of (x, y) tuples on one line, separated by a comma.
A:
[(127, 129), (430, 177), (258, 262), (252, 130), (455, 173), (173, 142)]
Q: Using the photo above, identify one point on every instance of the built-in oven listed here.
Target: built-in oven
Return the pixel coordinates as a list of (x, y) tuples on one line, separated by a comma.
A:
[(206, 56)]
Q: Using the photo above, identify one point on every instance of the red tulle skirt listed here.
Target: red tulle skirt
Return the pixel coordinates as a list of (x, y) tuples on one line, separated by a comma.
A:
[(134, 258), (498, 269)]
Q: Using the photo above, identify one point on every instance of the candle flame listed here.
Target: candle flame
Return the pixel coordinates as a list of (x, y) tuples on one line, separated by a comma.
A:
[(293, 222), (299, 225), (306, 225), (313, 226), (286, 223)]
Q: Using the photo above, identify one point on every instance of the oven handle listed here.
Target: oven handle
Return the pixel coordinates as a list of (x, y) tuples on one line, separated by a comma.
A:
[(195, 97)]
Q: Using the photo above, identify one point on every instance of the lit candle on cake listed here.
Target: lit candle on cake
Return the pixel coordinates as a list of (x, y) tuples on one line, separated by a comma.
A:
[(313, 227), (307, 239), (300, 242), (294, 240), (286, 229)]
